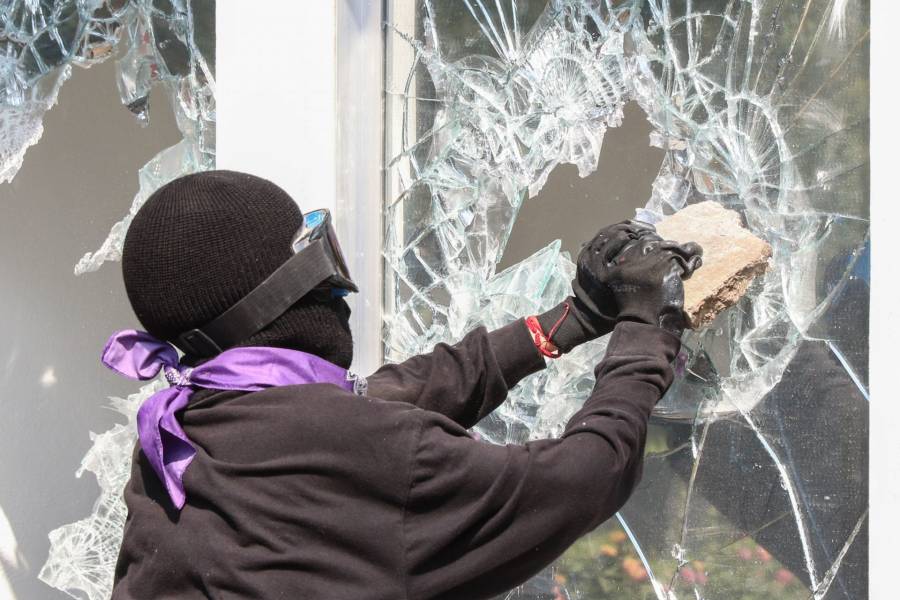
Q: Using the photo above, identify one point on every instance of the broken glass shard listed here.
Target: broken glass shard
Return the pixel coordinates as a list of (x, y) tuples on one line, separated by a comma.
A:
[(749, 487)]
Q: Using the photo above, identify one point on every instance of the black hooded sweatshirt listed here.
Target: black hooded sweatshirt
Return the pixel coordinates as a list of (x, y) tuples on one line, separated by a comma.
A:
[(311, 492)]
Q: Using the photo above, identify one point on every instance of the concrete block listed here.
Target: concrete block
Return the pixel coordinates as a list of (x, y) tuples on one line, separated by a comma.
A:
[(732, 257)]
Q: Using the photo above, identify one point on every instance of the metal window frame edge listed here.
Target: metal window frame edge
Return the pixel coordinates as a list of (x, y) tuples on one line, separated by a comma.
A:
[(359, 170)]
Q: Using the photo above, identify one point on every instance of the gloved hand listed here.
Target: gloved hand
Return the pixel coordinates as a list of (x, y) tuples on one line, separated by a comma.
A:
[(626, 272), (586, 316), (643, 277)]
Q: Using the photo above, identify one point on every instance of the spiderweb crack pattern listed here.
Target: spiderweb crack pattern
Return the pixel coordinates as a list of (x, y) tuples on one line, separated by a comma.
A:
[(755, 476), (157, 42), (759, 105)]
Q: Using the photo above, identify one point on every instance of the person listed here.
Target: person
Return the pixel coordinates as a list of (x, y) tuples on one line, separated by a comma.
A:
[(267, 470)]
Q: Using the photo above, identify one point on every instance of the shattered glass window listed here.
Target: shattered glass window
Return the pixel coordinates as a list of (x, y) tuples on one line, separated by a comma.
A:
[(79, 152), (755, 478), (170, 42)]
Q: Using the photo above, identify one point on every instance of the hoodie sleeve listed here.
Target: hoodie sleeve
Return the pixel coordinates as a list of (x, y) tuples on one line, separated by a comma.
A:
[(465, 381), (481, 518)]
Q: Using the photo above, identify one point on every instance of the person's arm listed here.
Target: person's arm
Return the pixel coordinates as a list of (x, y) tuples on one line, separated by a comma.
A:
[(465, 381), (481, 519), (468, 380)]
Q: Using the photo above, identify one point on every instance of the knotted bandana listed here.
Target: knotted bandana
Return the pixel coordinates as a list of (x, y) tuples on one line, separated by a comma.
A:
[(139, 355)]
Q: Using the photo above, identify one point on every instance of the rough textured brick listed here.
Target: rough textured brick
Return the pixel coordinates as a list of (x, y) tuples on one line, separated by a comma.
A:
[(732, 257)]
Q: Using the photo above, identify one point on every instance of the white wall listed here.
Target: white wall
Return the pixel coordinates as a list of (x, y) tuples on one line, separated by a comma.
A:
[(884, 443), (275, 96), (294, 108), (359, 167)]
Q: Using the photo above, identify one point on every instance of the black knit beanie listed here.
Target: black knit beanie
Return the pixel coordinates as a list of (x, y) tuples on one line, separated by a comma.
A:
[(202, 242)]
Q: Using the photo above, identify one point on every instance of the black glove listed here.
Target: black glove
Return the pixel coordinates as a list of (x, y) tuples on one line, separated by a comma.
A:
[(589, 315), (642, 276)]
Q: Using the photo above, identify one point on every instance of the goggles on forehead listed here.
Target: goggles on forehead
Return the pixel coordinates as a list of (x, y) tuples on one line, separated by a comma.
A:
[(317, 268)]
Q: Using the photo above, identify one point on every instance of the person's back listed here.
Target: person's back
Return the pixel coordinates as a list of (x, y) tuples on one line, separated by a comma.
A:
[(302, 481), (295, 492)]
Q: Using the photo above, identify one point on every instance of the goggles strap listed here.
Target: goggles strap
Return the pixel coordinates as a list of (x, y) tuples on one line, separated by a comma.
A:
[(298, 276)]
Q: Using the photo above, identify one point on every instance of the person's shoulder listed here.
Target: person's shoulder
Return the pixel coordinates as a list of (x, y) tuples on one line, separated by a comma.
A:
[(326, 405), (317, 408), (303, 427)]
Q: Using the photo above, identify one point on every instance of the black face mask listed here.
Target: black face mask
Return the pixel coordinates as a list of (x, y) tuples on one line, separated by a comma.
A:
[(316, 270)]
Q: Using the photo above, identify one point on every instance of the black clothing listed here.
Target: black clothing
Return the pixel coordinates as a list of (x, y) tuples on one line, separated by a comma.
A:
[(629, 271), (202, 242), (571, 323), (311, 492)]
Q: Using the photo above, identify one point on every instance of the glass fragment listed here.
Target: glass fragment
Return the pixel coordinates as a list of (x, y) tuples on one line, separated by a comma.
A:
[(755, 479), (164, 44)]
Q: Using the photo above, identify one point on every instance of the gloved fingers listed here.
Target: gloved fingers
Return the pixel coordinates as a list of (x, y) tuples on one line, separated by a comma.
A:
[(647, 242), (687, 249), (640, 225), (677, 265), (644, 245), (624, 244), (692, 248), (602, 236), (687, 255), (637, 230), (628, 226), (659, 256), (612, 248), (693, 263), (654, 258), (684, 266)]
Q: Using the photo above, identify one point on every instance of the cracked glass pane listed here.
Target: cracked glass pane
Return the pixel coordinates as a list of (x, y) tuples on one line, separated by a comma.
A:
[(755, 482), (72, 186), (163, 48), (169, 42)]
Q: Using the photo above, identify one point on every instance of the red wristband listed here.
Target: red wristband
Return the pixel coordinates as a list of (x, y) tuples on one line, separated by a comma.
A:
[(540, 339)]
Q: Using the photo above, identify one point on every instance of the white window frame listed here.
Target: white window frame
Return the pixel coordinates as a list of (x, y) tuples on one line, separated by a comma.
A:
[(359, 125), (299, 108)]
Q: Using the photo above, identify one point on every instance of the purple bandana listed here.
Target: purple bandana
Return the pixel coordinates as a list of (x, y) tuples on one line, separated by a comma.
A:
[(139, 355)]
